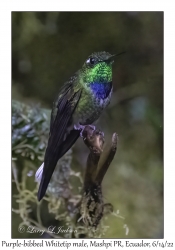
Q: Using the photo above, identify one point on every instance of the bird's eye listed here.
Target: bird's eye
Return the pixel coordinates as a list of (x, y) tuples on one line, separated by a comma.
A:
[(91, 61)]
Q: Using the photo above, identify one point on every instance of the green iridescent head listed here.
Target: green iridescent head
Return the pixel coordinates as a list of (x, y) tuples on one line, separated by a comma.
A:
[(98, 68)]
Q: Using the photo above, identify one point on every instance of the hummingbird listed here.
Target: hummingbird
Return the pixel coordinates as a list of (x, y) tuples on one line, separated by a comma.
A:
[(80, 102)]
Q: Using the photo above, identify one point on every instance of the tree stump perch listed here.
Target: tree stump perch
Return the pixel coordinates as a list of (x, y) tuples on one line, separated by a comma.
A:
[(92, 207)]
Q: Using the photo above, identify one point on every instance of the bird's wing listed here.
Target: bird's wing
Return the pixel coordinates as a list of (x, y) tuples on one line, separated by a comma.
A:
[(57, 144), (65, 93)]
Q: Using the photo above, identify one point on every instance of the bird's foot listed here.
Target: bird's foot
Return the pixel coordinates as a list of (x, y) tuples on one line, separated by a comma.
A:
[(82, 127), (93, 138), (79, 127), (92, 126)]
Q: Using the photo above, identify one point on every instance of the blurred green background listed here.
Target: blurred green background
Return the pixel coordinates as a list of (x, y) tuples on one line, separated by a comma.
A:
[(48, 47)]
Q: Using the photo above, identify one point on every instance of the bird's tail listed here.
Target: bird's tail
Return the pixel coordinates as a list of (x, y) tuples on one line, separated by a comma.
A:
[(39, 173), (44, 174)]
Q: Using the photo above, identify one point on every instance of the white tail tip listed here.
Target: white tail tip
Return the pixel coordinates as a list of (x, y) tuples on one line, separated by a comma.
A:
[(39, 173)]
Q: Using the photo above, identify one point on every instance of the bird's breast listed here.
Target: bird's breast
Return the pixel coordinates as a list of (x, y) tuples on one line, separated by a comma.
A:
[(92, 102)]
